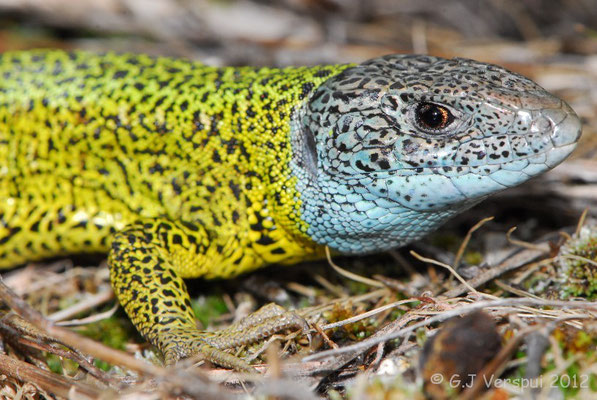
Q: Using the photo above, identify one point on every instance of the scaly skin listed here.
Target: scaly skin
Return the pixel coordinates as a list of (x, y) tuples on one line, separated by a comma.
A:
[(179, 170)]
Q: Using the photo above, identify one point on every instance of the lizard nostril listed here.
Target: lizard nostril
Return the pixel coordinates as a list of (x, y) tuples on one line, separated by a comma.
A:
[(542, 124), (565, 125)]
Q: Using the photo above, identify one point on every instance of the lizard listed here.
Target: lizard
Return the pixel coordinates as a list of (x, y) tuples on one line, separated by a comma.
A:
[(177, 170)]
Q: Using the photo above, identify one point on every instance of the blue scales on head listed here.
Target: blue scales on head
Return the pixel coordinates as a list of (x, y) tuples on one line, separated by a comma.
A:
[(388, 150)]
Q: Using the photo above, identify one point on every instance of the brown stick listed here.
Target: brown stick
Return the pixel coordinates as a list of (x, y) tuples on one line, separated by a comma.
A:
[(48, 381), (84, 344)]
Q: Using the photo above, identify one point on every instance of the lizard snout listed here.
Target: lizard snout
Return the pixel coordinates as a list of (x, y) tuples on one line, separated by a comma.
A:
[(564, 129), (564, 124)]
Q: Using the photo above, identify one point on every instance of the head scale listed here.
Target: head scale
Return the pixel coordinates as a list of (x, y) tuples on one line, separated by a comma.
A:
[(389, 149)]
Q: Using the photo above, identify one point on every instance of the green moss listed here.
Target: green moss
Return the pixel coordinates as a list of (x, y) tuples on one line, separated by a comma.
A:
[(61, 366), (356, 288), (334, 395), (421, 336), (577, 265), (114, 332), (208, 308), (574, 381), (583, 340), (103, 365), (398, 313), (473, 257), (446, 241), (54, 363)]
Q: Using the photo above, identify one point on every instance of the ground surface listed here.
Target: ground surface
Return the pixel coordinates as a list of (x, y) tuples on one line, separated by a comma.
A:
[(541, 296)]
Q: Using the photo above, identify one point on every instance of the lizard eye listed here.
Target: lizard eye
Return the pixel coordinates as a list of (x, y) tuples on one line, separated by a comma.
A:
[(432, 117)]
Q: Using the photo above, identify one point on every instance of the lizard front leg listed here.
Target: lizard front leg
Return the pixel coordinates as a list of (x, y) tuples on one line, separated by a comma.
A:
[(147, 261)]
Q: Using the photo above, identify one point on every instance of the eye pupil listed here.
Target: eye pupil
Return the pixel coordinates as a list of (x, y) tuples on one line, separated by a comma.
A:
[(433, 116)]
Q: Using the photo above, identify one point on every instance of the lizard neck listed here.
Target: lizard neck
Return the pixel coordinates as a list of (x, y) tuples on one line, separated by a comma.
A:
[(275, 199)]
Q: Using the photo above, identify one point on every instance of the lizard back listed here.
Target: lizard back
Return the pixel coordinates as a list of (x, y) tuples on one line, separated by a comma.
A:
[(90, 143)]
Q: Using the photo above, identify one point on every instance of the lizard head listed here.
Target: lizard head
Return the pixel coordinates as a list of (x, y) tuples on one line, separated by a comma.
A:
[(391, 148)]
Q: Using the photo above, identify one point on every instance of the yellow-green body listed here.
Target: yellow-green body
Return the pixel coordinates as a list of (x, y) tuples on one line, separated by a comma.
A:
[(90, 144), (195, 157)]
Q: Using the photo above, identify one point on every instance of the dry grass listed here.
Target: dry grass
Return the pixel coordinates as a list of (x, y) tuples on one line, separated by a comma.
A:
[(358, 338)]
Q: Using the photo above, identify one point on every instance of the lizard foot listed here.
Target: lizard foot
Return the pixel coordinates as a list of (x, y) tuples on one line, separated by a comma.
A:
[(263, 323)]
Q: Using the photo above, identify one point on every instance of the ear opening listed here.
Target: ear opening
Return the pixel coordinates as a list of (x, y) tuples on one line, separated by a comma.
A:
[(309, 151)]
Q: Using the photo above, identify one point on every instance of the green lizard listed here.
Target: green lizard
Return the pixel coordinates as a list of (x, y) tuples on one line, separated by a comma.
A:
[(181, 170)]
